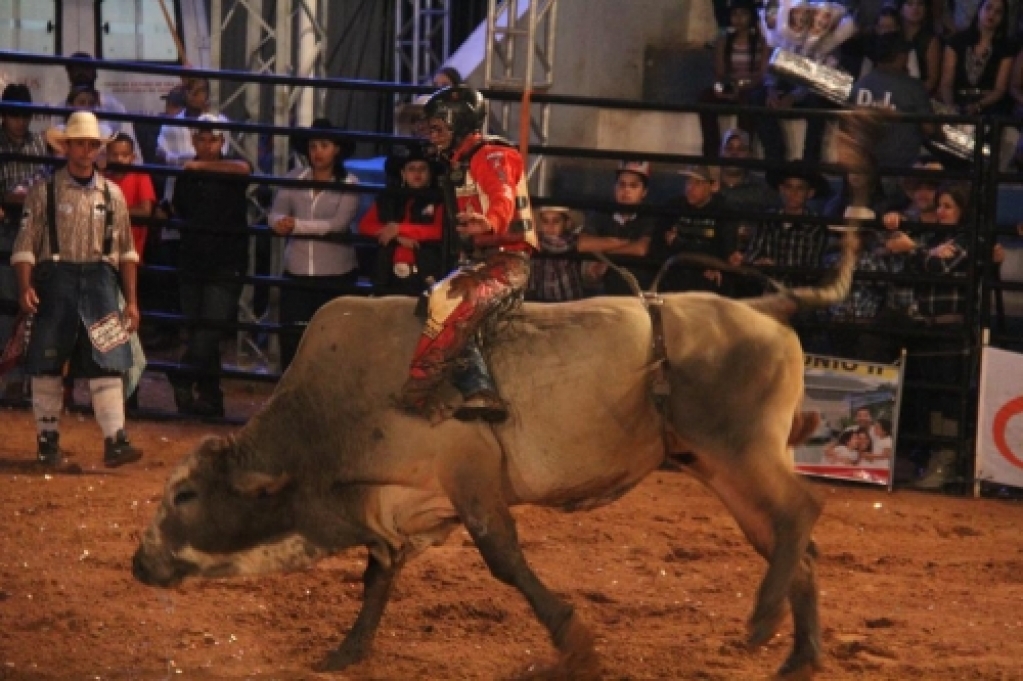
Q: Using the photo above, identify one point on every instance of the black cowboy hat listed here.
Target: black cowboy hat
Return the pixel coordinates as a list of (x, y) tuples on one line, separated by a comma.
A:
[(820, 185), (405, 153), (300, 139)]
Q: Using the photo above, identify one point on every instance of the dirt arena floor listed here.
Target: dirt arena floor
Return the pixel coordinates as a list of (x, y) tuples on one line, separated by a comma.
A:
[(913, 586)]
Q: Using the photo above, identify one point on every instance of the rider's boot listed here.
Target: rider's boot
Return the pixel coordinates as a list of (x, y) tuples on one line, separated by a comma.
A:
[(472, 378)]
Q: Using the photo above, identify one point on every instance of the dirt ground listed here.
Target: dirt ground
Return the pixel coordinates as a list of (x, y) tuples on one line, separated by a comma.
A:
[(913, 586)]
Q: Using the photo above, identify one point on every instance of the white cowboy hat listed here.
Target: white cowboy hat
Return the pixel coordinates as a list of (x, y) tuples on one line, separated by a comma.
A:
[(81, 125), (575, 217)]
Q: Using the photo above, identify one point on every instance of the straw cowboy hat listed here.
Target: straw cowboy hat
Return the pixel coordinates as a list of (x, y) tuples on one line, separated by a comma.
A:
[(575, 217), (81, 125)]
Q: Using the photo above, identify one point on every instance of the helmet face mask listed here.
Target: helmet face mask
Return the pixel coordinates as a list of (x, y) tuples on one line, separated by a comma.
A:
[(459, 107)]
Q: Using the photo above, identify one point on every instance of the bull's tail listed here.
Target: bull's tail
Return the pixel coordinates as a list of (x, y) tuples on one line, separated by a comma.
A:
[(785, 303), (804, 424)]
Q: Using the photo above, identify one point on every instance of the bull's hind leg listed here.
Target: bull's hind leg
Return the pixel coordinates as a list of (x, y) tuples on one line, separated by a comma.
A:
[(474, 488), (378, 581), (776, 512)]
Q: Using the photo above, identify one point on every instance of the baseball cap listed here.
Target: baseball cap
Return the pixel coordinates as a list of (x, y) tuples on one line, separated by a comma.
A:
[(641, 168), (705, 173)]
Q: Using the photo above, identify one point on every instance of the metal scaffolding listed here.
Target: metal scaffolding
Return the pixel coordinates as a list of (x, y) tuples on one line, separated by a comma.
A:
[(422, 39), (282, 37), (520, 57)]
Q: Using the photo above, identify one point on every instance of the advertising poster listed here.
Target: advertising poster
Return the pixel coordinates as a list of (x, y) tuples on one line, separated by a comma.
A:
[(1000, 418), (858, 403)]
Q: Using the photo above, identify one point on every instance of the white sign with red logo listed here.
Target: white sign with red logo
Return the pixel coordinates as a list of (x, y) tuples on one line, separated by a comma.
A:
[(1000, 418)]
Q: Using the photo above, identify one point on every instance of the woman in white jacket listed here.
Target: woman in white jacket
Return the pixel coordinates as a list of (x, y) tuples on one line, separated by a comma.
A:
[(318, 268)]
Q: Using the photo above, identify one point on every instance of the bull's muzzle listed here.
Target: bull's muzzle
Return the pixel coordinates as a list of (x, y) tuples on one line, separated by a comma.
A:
[(162, 570)]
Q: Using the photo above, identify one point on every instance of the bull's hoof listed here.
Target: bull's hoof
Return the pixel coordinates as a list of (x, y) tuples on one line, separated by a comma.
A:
[(762, 628), (339, 659), (573, 667), (804, 673)]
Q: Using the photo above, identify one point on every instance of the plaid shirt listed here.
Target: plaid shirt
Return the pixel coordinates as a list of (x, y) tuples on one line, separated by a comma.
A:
[(789, 244), (866, 298), (555, 280), (934, 299), (13, 173)]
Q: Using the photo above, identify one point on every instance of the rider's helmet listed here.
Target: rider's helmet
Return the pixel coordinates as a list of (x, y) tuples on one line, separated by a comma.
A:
[(460, 107)]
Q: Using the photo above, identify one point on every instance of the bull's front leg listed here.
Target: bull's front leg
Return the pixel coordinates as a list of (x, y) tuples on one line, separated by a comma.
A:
[(378, 581), (486, 516)]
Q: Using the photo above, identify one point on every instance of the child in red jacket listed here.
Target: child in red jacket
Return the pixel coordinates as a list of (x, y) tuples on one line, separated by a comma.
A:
[(409, 228)]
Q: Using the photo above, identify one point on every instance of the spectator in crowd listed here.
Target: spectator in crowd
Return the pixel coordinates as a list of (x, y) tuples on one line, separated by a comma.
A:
[(623, 233), (82, 77), (890, 87), (921, 193), (67, 279), (447, 76), (697, 227), (299, 213), (925, 47), (953, 16), (16, 138), (147, 133), (409, 227), (740, 64), (552, 279), (977, 63), (867, 305), (791, 242), (741, 188), (873, 197), (937, 359), (174, 147), (1016, 86), (888, 22), (137, 187), (83, 97), (16, 177), (214, 257)]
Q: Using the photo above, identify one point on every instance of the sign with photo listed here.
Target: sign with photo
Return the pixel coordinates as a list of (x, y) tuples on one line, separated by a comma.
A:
[(858, 404)]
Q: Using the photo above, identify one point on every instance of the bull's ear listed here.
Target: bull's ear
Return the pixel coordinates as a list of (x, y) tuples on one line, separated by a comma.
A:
[(259, 484)]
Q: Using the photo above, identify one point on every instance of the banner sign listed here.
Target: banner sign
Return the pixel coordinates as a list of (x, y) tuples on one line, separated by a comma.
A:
[(1000, 418), (858, 403)]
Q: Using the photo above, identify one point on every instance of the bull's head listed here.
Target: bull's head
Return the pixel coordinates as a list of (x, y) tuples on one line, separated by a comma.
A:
[(218, 518)]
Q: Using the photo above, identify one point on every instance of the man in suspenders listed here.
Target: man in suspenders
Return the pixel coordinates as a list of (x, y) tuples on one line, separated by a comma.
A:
[(74, 232), (486, 198)]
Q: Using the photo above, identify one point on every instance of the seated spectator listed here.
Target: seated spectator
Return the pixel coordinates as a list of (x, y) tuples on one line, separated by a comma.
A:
[(740, 64), (214, 258), (137, 187), (623, 233), (410, 228), (890, 87), (791, 242), (977, 63), (555, 280), (697, 228), (921, 193), (839, 204), (741, 188), (147, 133), (924, 62), (299, 213)]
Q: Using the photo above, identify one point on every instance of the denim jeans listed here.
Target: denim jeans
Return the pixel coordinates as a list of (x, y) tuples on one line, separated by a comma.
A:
[(211, 296)]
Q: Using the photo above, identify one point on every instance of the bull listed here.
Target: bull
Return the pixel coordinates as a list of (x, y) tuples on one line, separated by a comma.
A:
[(328, 463)]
